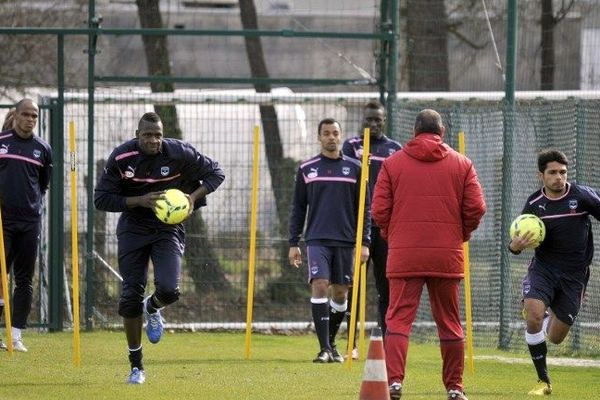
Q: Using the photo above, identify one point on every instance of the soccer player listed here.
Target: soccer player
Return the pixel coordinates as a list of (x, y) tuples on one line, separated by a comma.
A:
[(427, 202), (25, 168), (327, 189), (560, 268), (381, 147), (136, 175), (8, 124)]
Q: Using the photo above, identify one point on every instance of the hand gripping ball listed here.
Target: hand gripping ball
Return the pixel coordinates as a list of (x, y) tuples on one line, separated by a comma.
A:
[(173, 208), (528, 223)]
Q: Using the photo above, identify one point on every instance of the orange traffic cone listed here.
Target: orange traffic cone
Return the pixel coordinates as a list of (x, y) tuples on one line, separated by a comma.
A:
[(375, 385)]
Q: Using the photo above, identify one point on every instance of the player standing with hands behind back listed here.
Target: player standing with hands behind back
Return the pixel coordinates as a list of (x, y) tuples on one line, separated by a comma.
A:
[(25, 168), (381, 147), (560, 269), (8, 124), (136, 175), (327, 189)]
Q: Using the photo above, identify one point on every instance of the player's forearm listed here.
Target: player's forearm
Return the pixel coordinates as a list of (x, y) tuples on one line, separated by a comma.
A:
[(109, 202)]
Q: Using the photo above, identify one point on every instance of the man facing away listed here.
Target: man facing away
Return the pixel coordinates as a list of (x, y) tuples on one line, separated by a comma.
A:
[(427, 202)]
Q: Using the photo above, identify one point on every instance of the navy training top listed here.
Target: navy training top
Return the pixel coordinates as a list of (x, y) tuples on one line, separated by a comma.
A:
[(129, 172), (568, 246), (328, 190), (379, 148), (25, 169)]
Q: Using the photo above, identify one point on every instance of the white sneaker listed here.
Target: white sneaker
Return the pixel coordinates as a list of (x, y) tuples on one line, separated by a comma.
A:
[(2, 345), (19, 346), (355, 354)]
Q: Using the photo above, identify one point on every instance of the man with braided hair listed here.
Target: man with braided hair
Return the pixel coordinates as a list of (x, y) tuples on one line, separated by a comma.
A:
[(25, 169)]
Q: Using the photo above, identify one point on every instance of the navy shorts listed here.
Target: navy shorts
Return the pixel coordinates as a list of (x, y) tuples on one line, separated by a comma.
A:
[(139, 244), (334, 263), (557, 290)]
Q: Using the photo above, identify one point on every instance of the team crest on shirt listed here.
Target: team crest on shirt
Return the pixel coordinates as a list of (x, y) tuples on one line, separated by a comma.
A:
[(164, 171), (573, 205), (314, 269), (346, 170), (130, 172), (314, 172), (4, 149), (37, 153)]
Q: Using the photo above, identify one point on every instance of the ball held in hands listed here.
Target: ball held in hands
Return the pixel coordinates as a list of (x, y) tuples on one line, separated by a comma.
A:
[(173, 208)]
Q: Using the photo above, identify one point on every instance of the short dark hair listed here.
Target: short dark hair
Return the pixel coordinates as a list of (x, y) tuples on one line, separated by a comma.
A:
[(150, 117), (548, 156), (327, 121), (428, 121), (374, 105)]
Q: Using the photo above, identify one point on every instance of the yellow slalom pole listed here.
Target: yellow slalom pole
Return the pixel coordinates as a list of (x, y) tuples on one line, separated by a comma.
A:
[(5, 291), (74, 247), (468, 306), (362, 348), (252, 256), (364, 178)]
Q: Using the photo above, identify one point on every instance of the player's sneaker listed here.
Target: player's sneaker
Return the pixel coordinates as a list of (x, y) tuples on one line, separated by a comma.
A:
[(336, 356), (2, 345), (395, 391), (19, 346), (456, 395), (136, 376), (324, 356), (154, 324), (355, 353), (541, 389)]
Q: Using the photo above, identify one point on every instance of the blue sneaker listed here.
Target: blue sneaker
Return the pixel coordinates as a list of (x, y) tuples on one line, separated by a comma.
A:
[(154, 324), (136, 377)]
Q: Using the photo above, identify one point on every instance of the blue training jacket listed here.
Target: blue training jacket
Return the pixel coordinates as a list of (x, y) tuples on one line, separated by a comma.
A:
[(326, 195)]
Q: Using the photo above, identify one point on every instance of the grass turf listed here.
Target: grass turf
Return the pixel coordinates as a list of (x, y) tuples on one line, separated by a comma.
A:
[(212, 366)]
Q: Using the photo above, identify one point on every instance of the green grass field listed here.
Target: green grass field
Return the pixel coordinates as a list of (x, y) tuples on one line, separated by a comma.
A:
[(212, 366)]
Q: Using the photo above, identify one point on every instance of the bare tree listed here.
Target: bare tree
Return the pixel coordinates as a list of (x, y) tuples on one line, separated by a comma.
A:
[(549, 21), (22, 66), (281, 168), (208, 274), (427, 48)]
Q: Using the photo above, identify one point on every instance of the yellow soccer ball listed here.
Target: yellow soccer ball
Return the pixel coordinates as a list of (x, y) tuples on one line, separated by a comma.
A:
[(174, 208), (529, 223)]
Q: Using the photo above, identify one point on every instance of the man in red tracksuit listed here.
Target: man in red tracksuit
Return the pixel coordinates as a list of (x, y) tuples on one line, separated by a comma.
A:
[(427, 202)]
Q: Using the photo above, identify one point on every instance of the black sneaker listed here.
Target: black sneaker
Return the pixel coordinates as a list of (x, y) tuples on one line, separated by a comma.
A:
[(336, 356), (395, 391), (324, 356)]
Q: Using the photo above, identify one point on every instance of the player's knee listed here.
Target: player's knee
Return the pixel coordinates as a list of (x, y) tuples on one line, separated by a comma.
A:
[(130, 306), (167, 296), (130, 303), (555, 340)]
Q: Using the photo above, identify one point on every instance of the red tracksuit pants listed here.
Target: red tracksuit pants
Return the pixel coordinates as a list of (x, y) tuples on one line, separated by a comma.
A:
[(405, 295)]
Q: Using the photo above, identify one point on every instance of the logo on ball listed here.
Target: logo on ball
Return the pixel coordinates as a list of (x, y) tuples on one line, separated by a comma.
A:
[(173, 208), (529, 223)]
